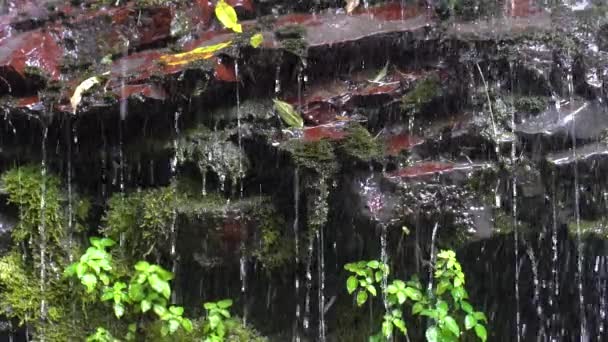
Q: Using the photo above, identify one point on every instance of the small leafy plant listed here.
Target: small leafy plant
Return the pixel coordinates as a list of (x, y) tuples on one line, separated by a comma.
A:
[(215, 323), (445, 305), (146, 289)]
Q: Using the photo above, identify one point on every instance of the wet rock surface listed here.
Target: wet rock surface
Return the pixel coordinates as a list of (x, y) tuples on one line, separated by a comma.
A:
[(484, 132)]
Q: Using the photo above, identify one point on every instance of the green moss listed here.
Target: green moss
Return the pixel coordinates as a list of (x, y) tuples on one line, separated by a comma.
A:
[(274, 248), (141, 220), (36, 73), (42, 231), (597, 228), (531, 104), (293, 39), (25, 187), (317, 156), (360, 144), (423, 93)]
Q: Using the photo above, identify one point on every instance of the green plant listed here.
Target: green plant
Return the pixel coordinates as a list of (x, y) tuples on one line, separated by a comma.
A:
[(445, 304), (148, 289), (94, 265), (102, 335), (215, 324), (449, 301)]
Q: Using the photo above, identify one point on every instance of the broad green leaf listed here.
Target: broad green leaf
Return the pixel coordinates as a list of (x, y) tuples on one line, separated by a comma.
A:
[(136, 292), (432, 334), (214, 321), (224, 304), (469, 322), (417, 308), (227, 16), (371, 289), (442, 287), (387, 328), (142, 266), (481, 332), (256, 40), (373, 264), (160, 286), (119, 310), (107, 294), (81, 268), (351, 284), (392, 289), (145, 305), (159, 310), (361, 297), (224, 313), (378, 275), (458, 282), (173, 326), (289, 115), (451, 324), (210, 306), (480, 316), (400, 324), (401, 297), (70, 270), (89, 280), (413, 293), (187, 324), (104, 279), (466, 307), (176, 310)]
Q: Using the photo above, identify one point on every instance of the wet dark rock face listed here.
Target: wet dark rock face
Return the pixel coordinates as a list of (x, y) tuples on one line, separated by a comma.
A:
[(486, 123)]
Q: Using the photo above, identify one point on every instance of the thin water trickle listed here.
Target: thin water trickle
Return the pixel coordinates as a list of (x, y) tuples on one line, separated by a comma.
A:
[(308, 286), (174, 228), (432, 258), (243, 258), (71, 131), (42, 229), (296, 199), (321, 288)]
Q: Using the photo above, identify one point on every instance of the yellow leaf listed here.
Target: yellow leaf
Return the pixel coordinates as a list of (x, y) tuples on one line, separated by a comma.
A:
[(256, 40), (81, 88), (227, 16), (203, 52)]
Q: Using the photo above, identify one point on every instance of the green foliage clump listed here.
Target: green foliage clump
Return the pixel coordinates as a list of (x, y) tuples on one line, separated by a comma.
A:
[(142, 220), (423, 93), (360, 144), (132, 295), (445, 305)]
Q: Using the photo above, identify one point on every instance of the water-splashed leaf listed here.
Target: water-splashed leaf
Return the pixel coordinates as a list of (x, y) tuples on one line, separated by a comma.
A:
[(381, 75), (80, 89), (288, 114), (351, 5), (227, 16), (256, 40), (481, 332)]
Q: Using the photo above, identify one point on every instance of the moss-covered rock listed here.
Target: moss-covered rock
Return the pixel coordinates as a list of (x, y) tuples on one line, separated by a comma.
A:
[(422, 94), (360, 144)]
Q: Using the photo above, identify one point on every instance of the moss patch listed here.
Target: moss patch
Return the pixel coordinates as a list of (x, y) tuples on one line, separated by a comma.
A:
[(359, 144), (423, 93)]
